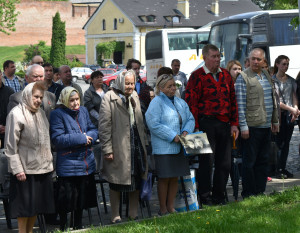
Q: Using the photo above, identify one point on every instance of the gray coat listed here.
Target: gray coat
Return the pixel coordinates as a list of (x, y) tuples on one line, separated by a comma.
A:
[(114, 135)]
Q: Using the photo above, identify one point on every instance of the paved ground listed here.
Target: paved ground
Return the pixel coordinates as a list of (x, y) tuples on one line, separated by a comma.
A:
[(293, 165)]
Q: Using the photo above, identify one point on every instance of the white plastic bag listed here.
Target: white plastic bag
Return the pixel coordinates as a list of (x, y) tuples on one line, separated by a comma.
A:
[(191, 193)]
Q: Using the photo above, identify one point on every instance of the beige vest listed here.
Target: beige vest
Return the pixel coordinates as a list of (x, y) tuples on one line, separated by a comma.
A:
[(255, 106)]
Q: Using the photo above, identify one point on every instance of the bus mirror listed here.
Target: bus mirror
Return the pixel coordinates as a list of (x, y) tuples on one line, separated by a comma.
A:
[(204, 42), (238, 40)]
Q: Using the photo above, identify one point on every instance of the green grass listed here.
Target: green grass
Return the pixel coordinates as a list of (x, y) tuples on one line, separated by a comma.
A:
[(16, 53), (276, 213)]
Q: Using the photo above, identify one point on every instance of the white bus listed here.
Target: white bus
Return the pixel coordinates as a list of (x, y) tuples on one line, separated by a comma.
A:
[(272, 31), (164, 45)]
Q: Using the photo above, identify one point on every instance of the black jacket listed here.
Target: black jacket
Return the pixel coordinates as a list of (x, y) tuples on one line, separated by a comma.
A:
[(5, 93)]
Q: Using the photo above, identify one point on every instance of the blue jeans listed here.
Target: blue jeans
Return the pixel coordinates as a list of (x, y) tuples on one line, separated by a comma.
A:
[(255, 161)]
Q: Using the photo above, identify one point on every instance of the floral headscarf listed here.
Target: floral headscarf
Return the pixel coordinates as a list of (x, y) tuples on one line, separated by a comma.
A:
[(65, 96)]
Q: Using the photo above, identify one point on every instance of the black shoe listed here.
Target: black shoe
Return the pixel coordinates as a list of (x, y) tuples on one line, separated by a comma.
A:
[(217, 201), (280, 175), (206, 201), (162, 214), (287, 173)]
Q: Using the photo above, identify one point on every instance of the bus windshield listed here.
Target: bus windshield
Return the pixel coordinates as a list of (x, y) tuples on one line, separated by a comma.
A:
[(224, 37)]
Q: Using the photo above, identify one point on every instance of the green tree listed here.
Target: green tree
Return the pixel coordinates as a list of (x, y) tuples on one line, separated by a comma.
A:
[(264, 4), (8, 15), (37, 49), (285, 4), (58, 42)]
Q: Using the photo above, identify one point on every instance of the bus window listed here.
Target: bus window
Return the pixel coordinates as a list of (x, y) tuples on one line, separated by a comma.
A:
[(283, 31), (154, 45), (182, 41)]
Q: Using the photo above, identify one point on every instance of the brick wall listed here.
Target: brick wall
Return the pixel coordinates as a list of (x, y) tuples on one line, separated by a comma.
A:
[(35, 23)]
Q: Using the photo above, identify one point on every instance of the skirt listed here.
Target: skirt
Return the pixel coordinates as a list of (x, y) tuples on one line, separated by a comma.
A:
[(32, 196), (76, 192), (173, 165)]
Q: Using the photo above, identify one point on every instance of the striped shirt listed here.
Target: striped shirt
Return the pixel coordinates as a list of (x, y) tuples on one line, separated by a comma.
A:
[(241, 96), (13, 83)]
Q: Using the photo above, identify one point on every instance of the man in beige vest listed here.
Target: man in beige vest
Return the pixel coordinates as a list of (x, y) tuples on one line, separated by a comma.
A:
[(258, 117)]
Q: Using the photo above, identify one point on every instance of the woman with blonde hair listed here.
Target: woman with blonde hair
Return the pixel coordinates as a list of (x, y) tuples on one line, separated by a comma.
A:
[(168, 117), (234, 67), (27, 147), (123, 142)]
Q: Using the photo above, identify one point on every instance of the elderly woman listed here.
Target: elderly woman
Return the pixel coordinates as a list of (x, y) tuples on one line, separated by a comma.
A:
[(27, 147), (72, 134), (168, 117), (123, 142), (94, 95)]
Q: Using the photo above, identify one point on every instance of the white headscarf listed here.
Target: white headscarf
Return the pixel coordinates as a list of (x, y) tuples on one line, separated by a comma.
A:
[(36, 120)]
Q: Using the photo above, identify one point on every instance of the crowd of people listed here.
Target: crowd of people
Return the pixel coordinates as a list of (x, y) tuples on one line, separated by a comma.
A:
[(50, 130)]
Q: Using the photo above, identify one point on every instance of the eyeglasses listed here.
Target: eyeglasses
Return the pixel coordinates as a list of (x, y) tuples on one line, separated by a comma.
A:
[(39, 63)]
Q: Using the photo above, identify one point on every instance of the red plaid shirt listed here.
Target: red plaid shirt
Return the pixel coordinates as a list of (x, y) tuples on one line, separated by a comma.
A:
[(206, 96)]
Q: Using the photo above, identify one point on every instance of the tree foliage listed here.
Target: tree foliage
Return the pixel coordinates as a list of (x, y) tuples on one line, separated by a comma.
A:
[(105, 50), (264, 4), (8, 15), (58, 42), (285, 4), (37, 49)]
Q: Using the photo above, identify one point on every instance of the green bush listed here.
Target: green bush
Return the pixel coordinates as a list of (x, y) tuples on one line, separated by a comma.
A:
[(37, 49)]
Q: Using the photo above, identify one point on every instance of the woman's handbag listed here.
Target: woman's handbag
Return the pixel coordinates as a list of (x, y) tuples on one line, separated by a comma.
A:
[(146, 188)]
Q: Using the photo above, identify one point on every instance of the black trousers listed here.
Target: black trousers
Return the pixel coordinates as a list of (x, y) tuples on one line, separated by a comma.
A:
[(255, 161), (283, 139), (218, 134)]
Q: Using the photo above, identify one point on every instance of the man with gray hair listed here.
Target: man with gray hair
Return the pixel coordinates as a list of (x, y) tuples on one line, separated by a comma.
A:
[(65, 76), (258, 117), (34, 73)]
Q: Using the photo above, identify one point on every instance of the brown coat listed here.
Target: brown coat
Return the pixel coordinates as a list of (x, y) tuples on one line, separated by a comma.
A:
[(114, 135)]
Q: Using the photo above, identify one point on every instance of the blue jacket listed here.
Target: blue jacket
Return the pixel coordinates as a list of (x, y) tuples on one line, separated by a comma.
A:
[(68, 133), (163, 122)]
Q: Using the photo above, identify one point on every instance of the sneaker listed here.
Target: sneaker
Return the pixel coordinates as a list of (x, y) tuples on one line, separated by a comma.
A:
[(287, 173), (269, 179)]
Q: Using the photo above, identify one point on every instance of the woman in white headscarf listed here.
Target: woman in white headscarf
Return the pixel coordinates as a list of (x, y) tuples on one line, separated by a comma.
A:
[(27, 147), (123, 142)]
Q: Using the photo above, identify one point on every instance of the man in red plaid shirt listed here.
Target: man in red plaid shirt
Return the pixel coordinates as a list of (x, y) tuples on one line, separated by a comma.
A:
[(210, 95)]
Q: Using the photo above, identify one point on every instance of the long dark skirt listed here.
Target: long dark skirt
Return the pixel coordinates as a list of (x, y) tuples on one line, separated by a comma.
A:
[(76, 192), (31, 197)]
